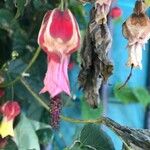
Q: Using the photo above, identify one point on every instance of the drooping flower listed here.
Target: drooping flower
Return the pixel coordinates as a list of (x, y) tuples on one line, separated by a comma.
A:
[(137, 31), (59, 37), (9, 110)]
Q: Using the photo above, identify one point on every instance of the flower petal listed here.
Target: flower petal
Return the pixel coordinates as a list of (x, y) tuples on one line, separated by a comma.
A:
[(56, 79), (6, 127), (61, 26), (60, 38), (42, 30), (10, 109), (135, 55)]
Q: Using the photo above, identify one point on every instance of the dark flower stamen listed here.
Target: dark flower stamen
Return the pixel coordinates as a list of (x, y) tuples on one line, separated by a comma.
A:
[(55, 110)]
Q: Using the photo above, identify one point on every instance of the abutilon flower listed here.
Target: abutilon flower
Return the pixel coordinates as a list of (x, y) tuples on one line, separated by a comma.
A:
[(59, 37), (9, 110)]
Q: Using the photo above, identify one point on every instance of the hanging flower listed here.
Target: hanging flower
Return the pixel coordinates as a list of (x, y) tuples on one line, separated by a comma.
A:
[(59, 37), (115, 12), (9, 110), (137, 31)]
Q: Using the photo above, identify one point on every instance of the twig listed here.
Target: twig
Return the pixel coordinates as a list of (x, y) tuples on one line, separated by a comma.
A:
[(128, 78), (115, 127), (25, 70), (41, 101)]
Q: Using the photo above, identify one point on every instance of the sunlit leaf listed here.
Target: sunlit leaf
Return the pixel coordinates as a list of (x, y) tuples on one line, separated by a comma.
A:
[(125, 94), (25, 135), (142, 95), (88, 112), (93, 136)]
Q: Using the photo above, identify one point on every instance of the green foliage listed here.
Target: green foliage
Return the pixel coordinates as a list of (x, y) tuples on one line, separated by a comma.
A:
[(130, 95), (44, 136), (125, 94), (142, 95), (89, 113), (25, 135), (28, 133), (92, 138), (20, 22), (20, 7), (5, 19), (10, 145)]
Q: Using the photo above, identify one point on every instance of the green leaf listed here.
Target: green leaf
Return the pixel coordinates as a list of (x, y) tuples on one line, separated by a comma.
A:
[(79, 12), (11, 145), (26, 137), (5, 19), (142, 95), (93, 136), (125, 94), (39, 125), (20, 7), (76, 146), (44, 136), (89, 113), (9, 4), (41, 5)]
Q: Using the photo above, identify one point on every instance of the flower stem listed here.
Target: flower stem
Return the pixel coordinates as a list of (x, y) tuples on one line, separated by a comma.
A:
[(41, 101), (62, 5), (103, 120), (25, 70)]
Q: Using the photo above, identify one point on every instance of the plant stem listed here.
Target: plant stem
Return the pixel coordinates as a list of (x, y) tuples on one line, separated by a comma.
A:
[(41, 101), (25, 70), (62, 5), (103, 120)]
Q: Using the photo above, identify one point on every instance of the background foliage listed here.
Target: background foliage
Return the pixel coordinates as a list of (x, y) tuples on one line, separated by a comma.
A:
[(20, 21)]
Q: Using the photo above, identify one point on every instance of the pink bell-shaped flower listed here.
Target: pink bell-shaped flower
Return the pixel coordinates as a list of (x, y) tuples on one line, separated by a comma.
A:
[(59, 37), (9, 110)]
